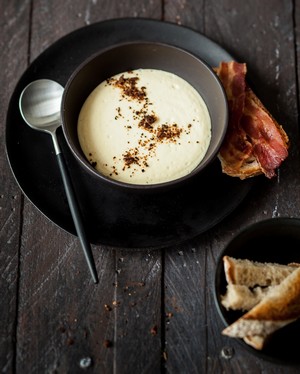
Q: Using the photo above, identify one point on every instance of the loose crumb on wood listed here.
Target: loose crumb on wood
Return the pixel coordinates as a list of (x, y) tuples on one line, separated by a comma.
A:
[(107, 307), (107, 343), (154, 330)]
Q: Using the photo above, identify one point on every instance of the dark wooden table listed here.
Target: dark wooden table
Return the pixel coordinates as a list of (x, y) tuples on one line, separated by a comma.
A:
[(152, 311)]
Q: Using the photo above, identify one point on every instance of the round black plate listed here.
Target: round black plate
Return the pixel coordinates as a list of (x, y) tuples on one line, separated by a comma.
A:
[(274, 240), (114, 217)]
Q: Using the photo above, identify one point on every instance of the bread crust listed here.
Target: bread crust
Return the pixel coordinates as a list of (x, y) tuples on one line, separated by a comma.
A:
[(254, 273), (280, 307)]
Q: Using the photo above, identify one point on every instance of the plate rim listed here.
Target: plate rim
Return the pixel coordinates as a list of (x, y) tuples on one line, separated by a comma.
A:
[(84, 29)]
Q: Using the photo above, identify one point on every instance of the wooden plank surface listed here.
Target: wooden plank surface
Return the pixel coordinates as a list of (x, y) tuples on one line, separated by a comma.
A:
[(13, 59), (152, 311), (87, 321), (253, 33)]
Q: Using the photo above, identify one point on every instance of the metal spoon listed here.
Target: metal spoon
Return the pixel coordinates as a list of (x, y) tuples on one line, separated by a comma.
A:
[(39, 105)]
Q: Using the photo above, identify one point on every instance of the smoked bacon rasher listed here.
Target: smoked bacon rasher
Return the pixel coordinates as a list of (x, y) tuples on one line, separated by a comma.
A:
[(254, 143)]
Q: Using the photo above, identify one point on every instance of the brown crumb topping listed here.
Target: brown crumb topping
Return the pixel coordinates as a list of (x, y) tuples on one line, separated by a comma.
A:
[(137, 159), (129, 87)]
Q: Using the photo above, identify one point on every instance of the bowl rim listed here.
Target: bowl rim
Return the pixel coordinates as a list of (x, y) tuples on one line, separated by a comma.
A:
[(134, 186)]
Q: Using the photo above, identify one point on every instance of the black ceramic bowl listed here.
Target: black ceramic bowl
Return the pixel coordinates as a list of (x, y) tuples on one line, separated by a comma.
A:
[(272, 240), (130, 56)]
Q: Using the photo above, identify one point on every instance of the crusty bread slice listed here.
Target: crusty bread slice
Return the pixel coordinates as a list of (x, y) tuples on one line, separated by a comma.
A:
[(280, 307), (255, 341), (253, 273), (241, 297)]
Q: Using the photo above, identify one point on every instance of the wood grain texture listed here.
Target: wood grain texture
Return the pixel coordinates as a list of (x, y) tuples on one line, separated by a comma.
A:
[(186, 13), (13, 59), (138, 312), (52, 20), (63, 317), (151, 311), (256, 32)]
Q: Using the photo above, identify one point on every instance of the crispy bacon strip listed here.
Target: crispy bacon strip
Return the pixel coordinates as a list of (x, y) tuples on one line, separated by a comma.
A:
[(255, 143), (268, 139), (236, 147)]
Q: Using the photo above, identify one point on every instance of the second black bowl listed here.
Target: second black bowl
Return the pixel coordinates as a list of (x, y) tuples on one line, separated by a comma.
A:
[(275, 240)]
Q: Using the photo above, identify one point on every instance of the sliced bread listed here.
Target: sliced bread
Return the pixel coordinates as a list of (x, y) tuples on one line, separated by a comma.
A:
[(278, 308), (241, 297), (253, 273)]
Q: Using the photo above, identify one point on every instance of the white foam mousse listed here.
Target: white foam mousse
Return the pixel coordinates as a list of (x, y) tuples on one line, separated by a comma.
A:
[(144, 126)]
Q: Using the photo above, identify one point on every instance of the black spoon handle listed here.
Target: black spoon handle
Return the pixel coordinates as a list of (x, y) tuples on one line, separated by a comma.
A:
[(76, 215)]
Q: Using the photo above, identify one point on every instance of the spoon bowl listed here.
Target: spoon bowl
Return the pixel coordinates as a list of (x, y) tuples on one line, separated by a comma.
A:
[(40, 104)]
